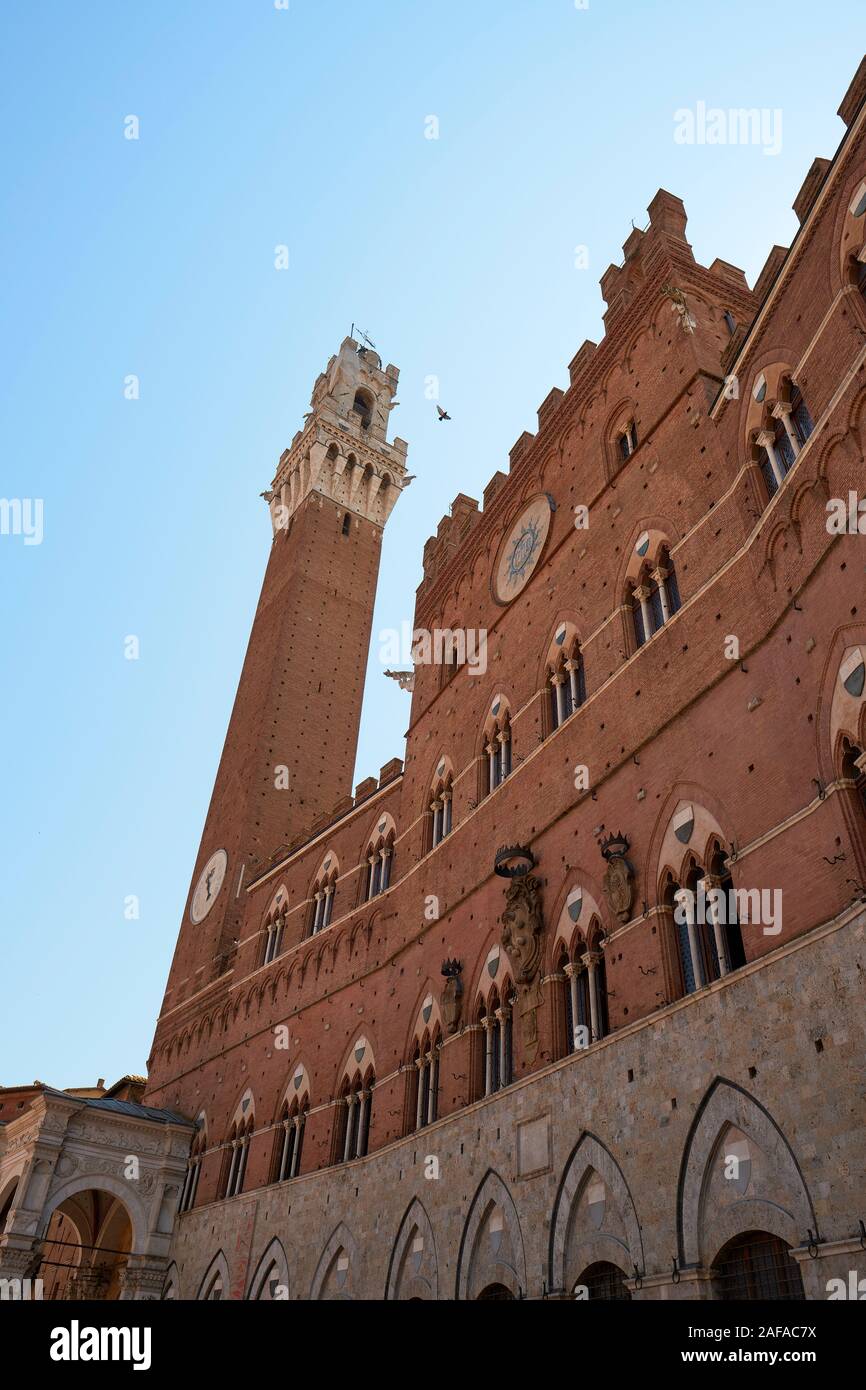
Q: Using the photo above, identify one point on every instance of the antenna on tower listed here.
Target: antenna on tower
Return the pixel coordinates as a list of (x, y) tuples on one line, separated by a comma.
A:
[(361, 334)]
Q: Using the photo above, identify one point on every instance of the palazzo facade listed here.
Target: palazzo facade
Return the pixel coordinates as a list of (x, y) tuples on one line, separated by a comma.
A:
[(568, 1001)]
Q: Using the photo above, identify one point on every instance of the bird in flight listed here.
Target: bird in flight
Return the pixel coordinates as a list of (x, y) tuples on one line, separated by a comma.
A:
[(443, 414)]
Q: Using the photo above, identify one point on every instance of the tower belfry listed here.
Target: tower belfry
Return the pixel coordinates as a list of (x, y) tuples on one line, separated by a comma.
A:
[(290, 748), (342, 453)]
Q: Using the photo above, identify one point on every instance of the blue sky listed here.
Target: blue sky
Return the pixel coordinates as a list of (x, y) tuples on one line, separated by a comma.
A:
[(155, 257)]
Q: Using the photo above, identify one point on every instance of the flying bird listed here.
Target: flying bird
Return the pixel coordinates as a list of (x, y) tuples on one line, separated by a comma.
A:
[(443, 414)]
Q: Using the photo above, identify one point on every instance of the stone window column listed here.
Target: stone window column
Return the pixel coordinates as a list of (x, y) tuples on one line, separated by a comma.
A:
[(242, 1163), (297, 1127), (361, 1136), (372, 861), (561, 698), (591, 960), (230, 1185), (487, 1025), (419, 1101), (351, 1102), (196, 1172), (659, 576), (385, 868), (284, 1156), (573, 668), (707, 883), (490, 750), (685, 901), (319, 913), (187, 1186), (502, 1015), (504, 740), (768, 444), (329, 905), (571, 976), (446, 813), (433, 1088), (782, 411), (436, 808), (642, 596)]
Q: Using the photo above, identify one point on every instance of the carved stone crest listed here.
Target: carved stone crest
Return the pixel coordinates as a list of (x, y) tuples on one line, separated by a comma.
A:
[(450, 1000), (523, 942), (619, 878)]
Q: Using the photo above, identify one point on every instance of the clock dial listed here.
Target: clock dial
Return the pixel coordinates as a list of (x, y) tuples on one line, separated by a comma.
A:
[(209, 884), (521, 550)]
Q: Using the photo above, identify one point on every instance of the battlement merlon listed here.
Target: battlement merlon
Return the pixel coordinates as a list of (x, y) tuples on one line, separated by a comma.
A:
[(342, 452)]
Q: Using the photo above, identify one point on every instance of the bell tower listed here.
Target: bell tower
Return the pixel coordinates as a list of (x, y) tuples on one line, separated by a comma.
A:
[(289, 753)]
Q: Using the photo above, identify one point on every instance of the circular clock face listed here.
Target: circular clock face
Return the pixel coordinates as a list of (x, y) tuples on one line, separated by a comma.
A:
[(209, 884), (521, 550)]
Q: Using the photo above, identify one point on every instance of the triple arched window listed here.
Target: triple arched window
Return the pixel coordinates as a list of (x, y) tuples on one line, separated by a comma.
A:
[(585, 992), (193, 1172), (324, 892), (441, 813), (380, 862), (786, 427), (424, 1081), (235, 1157), (353, 1118), (274, 929), (566, 683), (497, 752), (496, 1056), (707, 932), (289, 1140), (654, 598)]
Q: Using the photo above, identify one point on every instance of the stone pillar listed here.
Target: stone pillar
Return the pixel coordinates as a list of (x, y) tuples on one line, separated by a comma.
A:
[(660, 577), (351, 1102), (501, 1015), (709, 884), (433, 1091), (768, 444), (490, 750), (571, 977), (486, 1024), (284, 1156), (782, 411), (591, 960), (297, 1127), (361, 1138), (419, 1100), (683, 899), (642, 596)]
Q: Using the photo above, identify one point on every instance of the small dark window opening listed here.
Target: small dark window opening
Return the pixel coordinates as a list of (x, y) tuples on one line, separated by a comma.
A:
[(730, 321), (347, 522), (363, 406)]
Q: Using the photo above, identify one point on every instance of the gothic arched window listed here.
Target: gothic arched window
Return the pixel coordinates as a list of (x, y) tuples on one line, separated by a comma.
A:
[(567, 686), (274, 928), (362, 406), (354, 1115), (289, 1140), (497, 751), (322, 910), (380, 861), (193, 1173), (235, 1158), (441, 811), (425, 1081), (786, 427), (498, 1051), (654, 598)]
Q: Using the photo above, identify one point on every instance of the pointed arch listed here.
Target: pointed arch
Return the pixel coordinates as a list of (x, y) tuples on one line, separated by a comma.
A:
[(504, 1260), (413, 1269), (781, 1203), (567, 1255), (215, 1285), (340, 1246), (270, 1283)]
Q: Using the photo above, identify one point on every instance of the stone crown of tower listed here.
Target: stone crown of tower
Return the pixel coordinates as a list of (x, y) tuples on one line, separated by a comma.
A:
[(342, 452)]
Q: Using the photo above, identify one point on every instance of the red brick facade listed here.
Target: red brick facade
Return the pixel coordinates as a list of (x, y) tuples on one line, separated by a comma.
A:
[(751, 744)]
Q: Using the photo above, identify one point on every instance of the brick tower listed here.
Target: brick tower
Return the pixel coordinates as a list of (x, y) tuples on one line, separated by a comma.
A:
[(290, 749)]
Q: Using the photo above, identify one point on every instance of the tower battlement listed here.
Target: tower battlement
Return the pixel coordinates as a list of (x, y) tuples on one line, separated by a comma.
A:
[(342, 452)]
